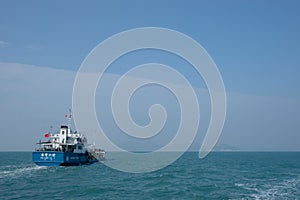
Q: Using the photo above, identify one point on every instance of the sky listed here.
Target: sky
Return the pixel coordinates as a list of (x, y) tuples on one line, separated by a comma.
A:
[(255, 45)]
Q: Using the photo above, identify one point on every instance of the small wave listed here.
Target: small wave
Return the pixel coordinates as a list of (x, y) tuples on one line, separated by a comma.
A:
[(285, 189), (19, 171), (239, 184)]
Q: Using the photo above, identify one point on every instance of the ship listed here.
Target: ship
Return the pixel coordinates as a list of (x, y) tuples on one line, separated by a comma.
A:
[(66, 148)]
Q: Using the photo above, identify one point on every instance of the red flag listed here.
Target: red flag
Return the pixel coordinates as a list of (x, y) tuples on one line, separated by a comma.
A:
[(47, 135), (66, 115)]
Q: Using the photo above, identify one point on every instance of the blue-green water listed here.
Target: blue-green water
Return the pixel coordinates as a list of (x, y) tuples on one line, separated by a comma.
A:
[(235, 175)]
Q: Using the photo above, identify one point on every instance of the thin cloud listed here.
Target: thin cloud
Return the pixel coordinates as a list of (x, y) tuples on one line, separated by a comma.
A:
[(3, 43), (32, 47)]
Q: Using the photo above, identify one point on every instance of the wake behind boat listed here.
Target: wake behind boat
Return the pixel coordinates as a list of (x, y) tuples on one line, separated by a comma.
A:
[(66, 148)]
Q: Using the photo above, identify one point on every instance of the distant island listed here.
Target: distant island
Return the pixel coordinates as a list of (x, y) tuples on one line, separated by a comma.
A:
[(225, 147)]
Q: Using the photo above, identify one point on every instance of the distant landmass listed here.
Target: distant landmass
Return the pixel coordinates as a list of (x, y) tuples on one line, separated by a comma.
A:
[(225, 147)]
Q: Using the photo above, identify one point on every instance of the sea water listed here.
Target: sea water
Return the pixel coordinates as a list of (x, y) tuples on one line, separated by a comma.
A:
[(221, 175)]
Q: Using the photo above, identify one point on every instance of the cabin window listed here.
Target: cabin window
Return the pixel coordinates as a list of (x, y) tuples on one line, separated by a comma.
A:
[(63, 132), (80, 147)]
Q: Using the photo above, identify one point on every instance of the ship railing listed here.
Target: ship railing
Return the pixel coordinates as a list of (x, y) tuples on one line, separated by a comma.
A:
[(48, 149)]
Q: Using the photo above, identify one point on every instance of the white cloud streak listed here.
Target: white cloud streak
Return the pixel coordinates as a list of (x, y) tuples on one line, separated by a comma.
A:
[(33, 98)]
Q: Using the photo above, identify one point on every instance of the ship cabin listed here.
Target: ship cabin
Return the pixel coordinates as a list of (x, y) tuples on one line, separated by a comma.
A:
[(63, 141)]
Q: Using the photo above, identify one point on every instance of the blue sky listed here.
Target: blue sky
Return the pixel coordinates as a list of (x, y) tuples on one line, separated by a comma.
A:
[(255, 45), (246, 39)]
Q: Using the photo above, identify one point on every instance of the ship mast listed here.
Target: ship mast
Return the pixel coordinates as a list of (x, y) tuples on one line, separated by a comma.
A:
[(69, 116)]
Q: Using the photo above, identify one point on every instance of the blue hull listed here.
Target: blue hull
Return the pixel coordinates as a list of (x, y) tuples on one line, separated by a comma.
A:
[(56, 158)]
